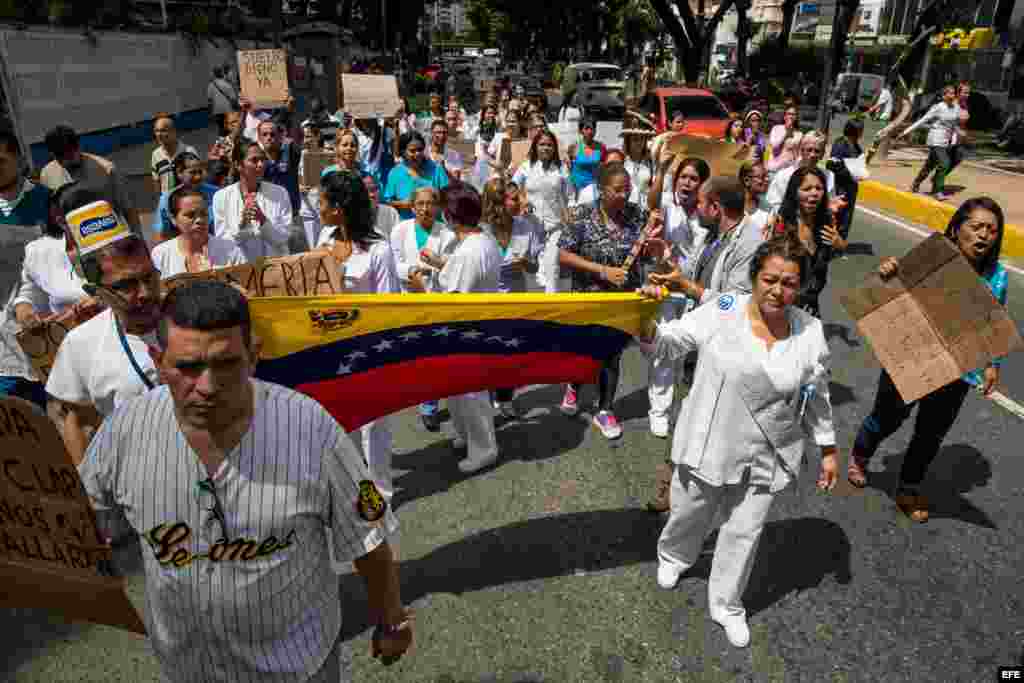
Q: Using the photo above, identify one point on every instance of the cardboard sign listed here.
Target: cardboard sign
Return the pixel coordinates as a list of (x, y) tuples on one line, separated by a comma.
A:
[(313, 164), (369, 97), (514, 152), (50, 548), (308, 274), (725, 158), (263, 75), (933, 321)]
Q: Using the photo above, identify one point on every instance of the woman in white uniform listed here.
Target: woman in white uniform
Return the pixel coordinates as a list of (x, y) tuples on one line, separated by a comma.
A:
[(761, 385), (194, 249), (387, 217), (546, 182), (367, 267), (49, 284), (685, 238), (474, 266), (521, 244), (255, 214)]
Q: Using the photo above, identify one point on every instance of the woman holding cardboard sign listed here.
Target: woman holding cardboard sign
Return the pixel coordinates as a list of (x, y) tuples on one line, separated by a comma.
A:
[(977, 230)]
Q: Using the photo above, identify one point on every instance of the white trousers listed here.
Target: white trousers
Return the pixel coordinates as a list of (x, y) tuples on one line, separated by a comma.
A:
[(375, 440), (548, 274), (473, 421), (661, 373), (743, 509)]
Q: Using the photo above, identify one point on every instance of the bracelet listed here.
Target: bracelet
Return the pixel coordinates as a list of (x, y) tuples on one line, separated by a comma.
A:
[(388, 630)]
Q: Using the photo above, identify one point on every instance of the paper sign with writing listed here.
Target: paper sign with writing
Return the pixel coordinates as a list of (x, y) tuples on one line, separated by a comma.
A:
[(263, 75), (369, 97), (514, 152), (933, 321), (313, 164), (307, 274), (50, 548)]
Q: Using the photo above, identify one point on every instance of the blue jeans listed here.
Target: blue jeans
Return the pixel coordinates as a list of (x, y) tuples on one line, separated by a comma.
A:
[(20, 387)]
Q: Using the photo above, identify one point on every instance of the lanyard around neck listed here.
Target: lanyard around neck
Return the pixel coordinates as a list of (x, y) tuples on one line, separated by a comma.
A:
[(131, 356)]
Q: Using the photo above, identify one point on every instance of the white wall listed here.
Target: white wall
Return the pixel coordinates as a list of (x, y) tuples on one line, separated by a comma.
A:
[(124, 79)]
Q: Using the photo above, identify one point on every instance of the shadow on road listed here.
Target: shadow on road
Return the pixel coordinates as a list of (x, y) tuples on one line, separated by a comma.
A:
[(794, 555), (956, 470), (860, 249)]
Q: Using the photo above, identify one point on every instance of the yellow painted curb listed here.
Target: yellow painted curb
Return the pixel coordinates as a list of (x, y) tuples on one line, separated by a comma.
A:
[(932, 213)]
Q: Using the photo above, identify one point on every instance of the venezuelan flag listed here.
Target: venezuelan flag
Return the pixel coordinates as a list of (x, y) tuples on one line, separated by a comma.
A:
[(366, 356)]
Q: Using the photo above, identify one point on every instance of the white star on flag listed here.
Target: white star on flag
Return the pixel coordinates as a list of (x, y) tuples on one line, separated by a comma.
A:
[(410, 336), (497, 339), (472, 334), (514, 343), (443, 331), (344, 369), (384, 345), (355, 355)]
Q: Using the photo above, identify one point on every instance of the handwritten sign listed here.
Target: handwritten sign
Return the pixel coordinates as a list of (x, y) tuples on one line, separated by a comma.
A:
[(307, 274), (263, 75), (724, 158), (313, 164), (933, 321), (514, 152), (50, 548), (369, 97)]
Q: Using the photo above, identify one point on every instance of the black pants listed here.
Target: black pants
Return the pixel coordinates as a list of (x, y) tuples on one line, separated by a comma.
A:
[(846, 217), (935, 416), (939, 159), (607, 382)]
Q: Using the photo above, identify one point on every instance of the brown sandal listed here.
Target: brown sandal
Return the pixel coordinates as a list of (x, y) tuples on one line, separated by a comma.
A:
[(913, 505), (856, 470)]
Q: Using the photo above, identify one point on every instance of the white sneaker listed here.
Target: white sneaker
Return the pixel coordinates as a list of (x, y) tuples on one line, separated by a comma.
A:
[(659, 426), (468, 465), (736, 630), (668, 575)]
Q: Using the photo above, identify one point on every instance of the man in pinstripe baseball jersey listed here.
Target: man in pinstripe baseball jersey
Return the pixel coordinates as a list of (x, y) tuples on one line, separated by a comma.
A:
[(235, 485)]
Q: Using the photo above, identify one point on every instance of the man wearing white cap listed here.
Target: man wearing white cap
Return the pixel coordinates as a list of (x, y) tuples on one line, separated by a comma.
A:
[(105, 361)]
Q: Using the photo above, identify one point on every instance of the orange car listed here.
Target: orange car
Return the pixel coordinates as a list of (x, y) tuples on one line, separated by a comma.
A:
[(705, 114)]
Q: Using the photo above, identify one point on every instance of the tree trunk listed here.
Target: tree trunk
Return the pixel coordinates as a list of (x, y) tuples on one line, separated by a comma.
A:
[(742, 36)]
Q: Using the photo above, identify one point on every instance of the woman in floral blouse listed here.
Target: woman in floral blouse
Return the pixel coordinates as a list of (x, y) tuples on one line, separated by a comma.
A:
[(595, 247)]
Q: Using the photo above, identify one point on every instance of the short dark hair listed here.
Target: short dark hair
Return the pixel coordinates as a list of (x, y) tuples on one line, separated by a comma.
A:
[(728, 192), (588, 122), (788, 247), (55, 229), (960, 217), (60, 139), (178, 195), (217, 169), (463, 204), (344, 189), (438, 123), (205, 305)]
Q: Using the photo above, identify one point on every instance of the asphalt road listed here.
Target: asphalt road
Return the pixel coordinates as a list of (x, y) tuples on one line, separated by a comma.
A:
[(542, 569)]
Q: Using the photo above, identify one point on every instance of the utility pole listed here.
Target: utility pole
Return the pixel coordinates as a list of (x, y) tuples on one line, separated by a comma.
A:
[(837, 41)]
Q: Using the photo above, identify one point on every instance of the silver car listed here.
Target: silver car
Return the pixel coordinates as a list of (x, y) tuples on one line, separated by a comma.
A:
[(597, 88)]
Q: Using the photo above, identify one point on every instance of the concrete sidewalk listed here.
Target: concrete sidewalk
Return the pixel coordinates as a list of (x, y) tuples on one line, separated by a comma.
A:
[(888, 190)]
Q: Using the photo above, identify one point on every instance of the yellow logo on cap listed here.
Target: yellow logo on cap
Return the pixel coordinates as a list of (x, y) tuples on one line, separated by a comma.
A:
[(95, 225)]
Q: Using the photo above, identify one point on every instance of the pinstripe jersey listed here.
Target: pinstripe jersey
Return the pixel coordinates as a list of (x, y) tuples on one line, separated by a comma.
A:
[(239, 587)]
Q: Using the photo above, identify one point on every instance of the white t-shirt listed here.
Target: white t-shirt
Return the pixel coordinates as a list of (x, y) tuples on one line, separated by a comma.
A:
[(48, 281), (370, 271), (92, 368), (170, 261), (474, 266), (683, 231), (263, 606), (547, 190)]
